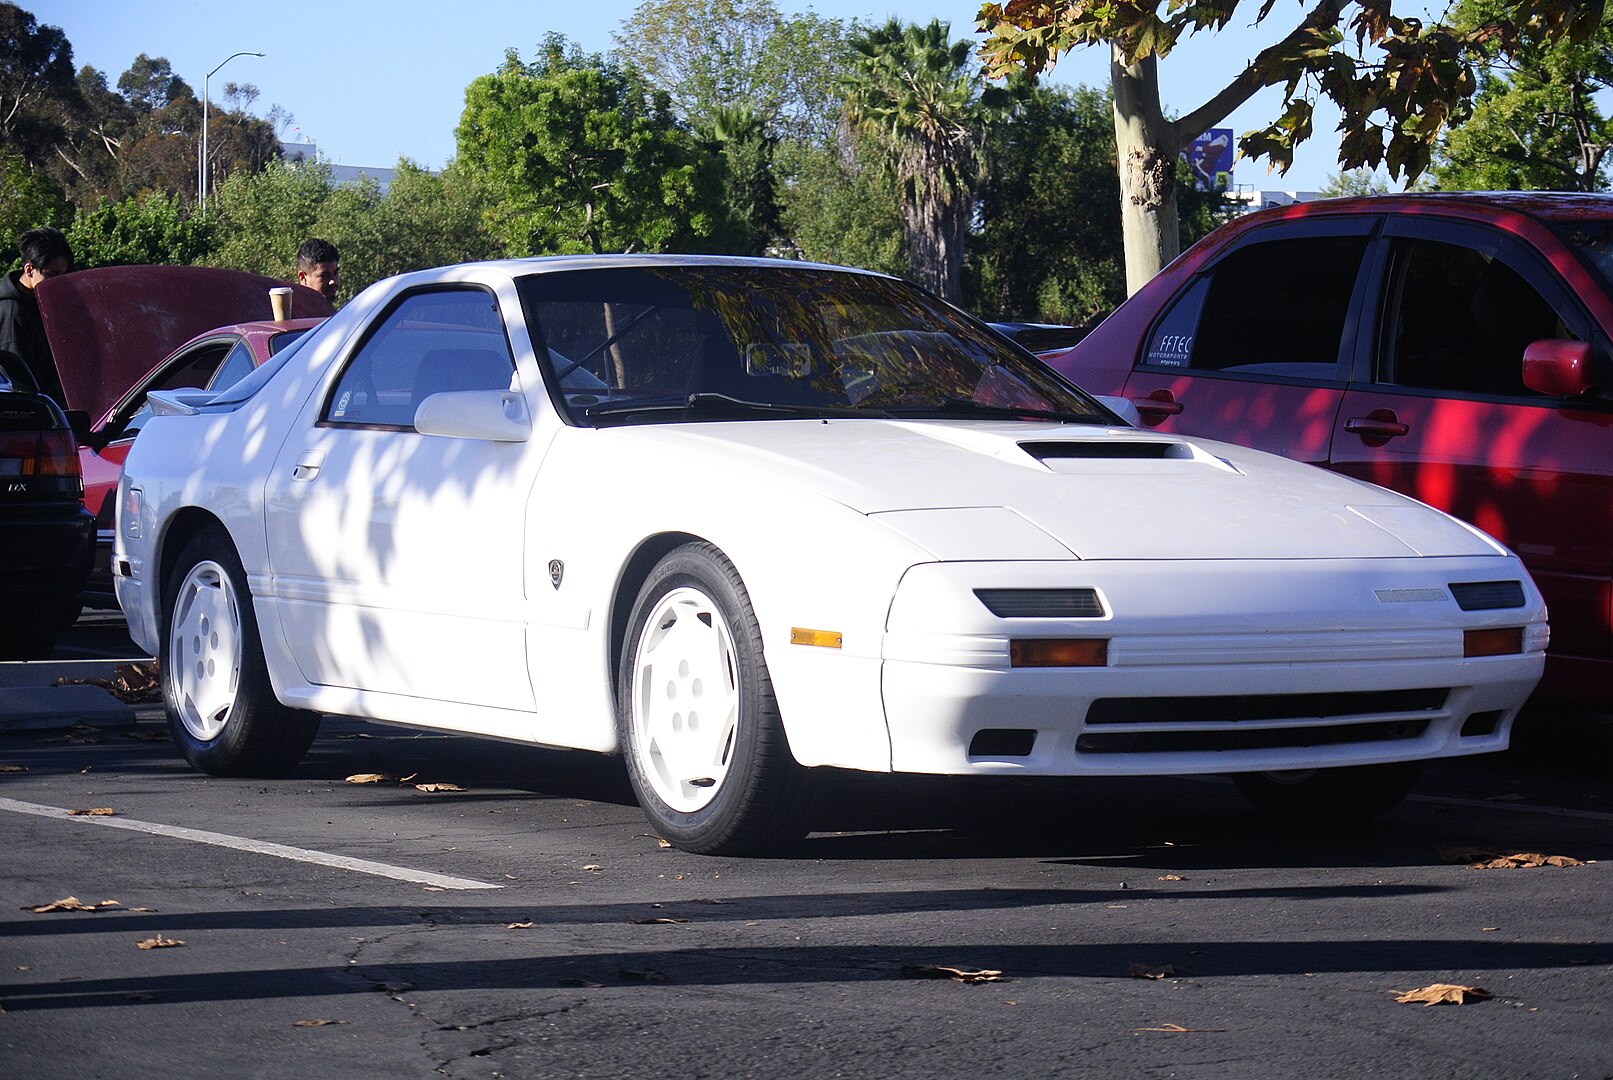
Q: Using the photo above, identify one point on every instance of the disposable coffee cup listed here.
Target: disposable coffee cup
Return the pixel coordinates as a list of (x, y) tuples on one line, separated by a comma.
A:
[(280, 302)]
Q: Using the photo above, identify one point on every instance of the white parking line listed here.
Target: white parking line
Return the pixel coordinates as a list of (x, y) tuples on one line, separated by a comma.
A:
[(260, 847)]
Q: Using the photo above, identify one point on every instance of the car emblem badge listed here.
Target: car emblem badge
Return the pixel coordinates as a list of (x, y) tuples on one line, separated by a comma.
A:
[(557, 570)]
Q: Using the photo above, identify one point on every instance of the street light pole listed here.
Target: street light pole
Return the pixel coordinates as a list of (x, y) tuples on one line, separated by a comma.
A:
[(201, 159)]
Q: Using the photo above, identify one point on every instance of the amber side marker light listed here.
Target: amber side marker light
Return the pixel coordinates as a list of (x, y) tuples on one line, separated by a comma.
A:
[(827, 639), (1505, 641), (1059, 652)]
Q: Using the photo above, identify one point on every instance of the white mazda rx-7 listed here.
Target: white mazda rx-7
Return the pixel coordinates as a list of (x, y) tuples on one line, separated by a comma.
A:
[(739, 518)]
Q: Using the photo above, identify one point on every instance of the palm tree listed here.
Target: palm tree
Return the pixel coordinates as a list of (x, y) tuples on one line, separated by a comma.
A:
[(919, 99)]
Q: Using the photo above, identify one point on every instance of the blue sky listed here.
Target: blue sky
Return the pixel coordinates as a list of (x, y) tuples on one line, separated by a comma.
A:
[(370, 82)]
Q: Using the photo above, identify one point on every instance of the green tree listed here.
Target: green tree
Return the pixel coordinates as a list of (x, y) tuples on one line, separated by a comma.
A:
[(724, 54), (150, 85), (153, 228), (739, 136), (580, 156), (263, 217), (1535, 122), (1352, 183), (837, 208), (916, 96), (37, 85), (1397, 79), (29, 197)]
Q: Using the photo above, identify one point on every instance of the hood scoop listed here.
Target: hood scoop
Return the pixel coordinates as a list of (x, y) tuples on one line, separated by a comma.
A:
[(1106, 450)]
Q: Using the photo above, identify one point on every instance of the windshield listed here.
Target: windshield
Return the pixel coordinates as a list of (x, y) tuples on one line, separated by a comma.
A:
[(250, 383), (684, 343)]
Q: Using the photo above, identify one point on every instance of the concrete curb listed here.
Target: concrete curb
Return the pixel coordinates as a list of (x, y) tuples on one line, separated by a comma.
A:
[(30, 700)]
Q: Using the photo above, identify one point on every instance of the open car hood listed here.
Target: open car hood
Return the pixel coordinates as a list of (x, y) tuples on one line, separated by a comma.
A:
[(108, 327)]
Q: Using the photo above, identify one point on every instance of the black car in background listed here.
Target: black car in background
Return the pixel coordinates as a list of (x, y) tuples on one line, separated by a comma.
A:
[(47, 537)]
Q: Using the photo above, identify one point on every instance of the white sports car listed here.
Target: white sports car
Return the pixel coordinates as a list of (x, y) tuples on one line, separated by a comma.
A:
[(737, 518)]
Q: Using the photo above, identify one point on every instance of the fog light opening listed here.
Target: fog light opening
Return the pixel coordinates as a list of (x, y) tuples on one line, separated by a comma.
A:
[(1482, 723), (1002, 743)]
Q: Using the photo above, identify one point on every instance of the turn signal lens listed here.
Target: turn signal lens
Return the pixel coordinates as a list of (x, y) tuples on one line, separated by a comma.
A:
[(827, 639), (1505, 641), (1059, 652)]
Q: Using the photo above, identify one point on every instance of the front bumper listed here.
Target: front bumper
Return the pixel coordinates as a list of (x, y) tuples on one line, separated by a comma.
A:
[(1235, 666)]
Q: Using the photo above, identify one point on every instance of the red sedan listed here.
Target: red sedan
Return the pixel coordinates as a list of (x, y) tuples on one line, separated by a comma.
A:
[(1452, 347), (112, 334)]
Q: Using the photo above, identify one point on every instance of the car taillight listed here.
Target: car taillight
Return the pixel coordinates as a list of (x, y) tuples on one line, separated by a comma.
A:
[(50, 456)]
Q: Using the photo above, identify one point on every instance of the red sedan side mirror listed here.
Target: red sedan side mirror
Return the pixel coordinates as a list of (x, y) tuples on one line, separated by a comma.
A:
[(1557, 367)]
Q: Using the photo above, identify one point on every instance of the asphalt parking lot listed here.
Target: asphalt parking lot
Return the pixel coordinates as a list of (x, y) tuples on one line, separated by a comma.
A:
[(515, 917)]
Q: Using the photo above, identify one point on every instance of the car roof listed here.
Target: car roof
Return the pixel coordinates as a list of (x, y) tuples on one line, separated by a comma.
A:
[(107, 327), (1548, 206)]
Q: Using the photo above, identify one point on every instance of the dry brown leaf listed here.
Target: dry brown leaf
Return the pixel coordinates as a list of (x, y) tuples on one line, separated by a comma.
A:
[(593, 867), (135, 684), (146, 736), (662, 843), (438, 787), (72, 903), (956, 974), (94, 811), (159, 942), (1441, 994), (1151, 971), (13, 768), (1172, 877), (1178, 1029), (406, 779), (1527, 860), (663, 920), (371, 778), (518, 926), (316, 1023)]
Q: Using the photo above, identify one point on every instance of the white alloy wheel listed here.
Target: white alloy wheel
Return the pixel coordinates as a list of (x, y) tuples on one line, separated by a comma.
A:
[(686, 699), (204, 650)]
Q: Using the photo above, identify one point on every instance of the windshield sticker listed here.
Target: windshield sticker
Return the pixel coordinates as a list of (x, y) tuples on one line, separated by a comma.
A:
[(341, 404)]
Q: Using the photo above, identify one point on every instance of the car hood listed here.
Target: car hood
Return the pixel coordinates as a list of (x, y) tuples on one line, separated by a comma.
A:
[(967, 490), (108, 327)]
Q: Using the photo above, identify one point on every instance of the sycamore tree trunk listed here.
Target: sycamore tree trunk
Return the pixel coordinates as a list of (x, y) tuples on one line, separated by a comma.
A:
[(1147, 145)]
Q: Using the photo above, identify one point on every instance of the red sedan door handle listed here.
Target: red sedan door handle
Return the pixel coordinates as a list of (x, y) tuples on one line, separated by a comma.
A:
[(1378, 424), (1158, 405)]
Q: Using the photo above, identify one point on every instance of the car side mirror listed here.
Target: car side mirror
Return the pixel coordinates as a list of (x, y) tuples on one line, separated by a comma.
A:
[(496, 415), (1557, 367)]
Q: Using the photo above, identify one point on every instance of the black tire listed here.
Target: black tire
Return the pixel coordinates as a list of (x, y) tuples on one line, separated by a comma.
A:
[(222, 711), (755, 796), (1327, 796)]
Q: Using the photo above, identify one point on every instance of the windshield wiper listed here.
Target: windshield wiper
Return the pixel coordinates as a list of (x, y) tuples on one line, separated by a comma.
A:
[(966, 407), (708, 402)]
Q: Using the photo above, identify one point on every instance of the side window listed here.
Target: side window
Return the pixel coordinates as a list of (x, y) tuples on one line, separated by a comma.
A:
[(1278, 308), (1461, 318), (234, 368), (430, 343), (192, 370)]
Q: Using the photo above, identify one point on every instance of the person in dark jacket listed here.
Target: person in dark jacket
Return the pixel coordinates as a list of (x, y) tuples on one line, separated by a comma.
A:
[(25, 360)]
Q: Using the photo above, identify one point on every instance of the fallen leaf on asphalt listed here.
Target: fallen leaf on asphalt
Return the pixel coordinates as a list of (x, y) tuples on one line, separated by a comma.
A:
[(13, 768), (159, 942), (641, 975), (371, 778), (135, 684), (146, 736), (518, 926), (438, 787), (662, 843), (663, 920), (956, 974), (1524, 861), (94, 811), (406, 779), (593, 867), (1178, 1029), (72, 903), (316, 1023), (1172, 877), (1151, 971), (81, 736), (1489, 929), (1441, 994)]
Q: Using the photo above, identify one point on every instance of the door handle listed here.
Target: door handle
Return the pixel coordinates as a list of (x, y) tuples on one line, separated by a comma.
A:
[(307, 466), (1378, 424), (1158, 405)]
